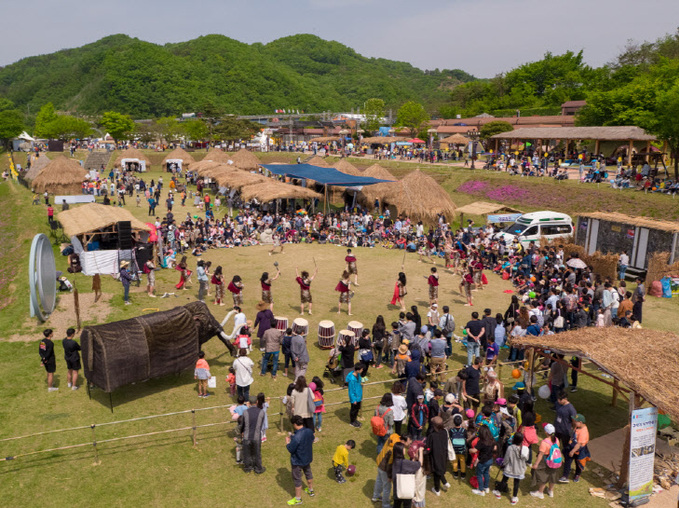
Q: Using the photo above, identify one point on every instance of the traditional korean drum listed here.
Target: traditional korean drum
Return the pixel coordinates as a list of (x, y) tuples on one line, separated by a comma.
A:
[(345, 337), (281, 323), (326, 334), (357, 328), (300, 326)]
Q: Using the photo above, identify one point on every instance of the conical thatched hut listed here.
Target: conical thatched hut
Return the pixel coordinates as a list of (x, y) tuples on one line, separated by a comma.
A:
[(272, 190), (132, 153), (61, 176), (37, 163), (205, 168), (217, 155), (370, 193), (419, 197), (319, 161), (244, 159), (181, 154), (347, 168)]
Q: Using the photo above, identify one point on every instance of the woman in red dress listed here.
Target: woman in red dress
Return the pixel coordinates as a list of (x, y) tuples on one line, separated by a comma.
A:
[(185, 276), (343, 286), (400, 291)]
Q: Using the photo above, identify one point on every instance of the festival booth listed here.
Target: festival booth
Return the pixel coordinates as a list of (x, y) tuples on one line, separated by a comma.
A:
[(634, 363), (495, 213), (178, 160), (102, 236), (132, 159)]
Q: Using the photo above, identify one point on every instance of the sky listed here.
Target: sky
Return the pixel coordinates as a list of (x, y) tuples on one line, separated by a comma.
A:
[(482, 37)]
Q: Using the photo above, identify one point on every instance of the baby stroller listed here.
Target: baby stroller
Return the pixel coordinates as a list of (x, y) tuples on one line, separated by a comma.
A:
[(333, 367)]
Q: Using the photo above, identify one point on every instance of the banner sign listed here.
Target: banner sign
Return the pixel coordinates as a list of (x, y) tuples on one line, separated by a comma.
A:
[(510, 217), (643, 428)]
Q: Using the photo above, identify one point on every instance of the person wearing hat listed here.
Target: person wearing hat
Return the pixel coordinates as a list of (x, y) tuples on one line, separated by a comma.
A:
[(544, 473), (400, 360), (125, 278), (577, 450)]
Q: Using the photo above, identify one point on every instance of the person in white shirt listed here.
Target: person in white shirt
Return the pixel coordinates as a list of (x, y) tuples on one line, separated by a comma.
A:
[(624, 263), (243, 366)]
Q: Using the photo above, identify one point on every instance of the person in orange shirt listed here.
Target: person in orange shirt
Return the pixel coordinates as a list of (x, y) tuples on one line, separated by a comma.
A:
[(202, 374), (577, 450)]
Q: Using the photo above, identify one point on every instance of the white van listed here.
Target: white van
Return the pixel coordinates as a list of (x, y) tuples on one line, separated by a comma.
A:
[(531, 226)]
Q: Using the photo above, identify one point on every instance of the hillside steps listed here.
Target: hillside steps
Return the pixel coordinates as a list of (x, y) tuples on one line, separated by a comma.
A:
[(97, 158)]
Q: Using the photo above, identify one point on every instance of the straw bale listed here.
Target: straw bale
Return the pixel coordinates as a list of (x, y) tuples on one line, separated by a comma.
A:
[(132, 153), (659, 267), (93, 217), (245, 159), (272, 190), (636, 357), (183, 155), (37, 163), (60, 176), (420, 197)]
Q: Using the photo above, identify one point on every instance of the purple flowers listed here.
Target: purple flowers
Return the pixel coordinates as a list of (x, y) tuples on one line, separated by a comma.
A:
[(472, 187)]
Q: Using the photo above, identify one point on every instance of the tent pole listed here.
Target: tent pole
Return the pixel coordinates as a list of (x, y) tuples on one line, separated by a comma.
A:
[(110, 400)]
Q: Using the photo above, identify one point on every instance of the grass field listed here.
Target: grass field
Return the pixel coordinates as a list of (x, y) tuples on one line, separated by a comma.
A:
[(165, 470)]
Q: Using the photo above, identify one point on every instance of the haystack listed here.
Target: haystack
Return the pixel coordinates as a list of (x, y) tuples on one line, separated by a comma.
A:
[(244, 159), (419, 197), (370, 193), (318, 161), (272, 190), (181, 154), (61, 176), (132, 153), (347, 168), (217, 155), (37, 163)]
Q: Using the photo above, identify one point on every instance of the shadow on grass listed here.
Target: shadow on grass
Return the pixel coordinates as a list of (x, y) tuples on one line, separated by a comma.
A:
[(368, 448)]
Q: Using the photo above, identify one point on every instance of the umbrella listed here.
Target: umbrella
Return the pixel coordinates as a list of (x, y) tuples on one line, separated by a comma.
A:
[(576, 263), (416, 140)]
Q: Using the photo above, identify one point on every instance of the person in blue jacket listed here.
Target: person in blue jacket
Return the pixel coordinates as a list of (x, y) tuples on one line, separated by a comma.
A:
[(355, 385), (300, 445)]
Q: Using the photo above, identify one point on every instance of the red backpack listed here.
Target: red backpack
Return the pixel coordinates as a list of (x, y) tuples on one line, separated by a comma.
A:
[(377, 423)]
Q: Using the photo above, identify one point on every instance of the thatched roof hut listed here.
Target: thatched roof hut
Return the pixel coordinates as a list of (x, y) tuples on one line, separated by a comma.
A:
[(455, 139), (324, 139), (384, 140), (347, 168), (418, 196), (60, 176), (637, 358), (272, 190), (37, 163), (93, 217), (318, 161), (204, 167), (217, 155), (238, 179), (370, 193), (132, 153), (181, 154), (245, 159)]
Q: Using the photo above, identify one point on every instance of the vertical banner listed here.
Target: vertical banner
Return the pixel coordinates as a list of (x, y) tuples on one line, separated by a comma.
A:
[(643, 429)]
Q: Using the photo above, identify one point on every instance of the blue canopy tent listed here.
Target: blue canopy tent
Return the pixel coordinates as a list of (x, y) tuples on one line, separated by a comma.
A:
[(324, 176)]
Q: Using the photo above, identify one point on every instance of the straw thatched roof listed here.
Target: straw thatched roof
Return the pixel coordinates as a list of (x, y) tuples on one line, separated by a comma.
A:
[(94, 217), (272, 190), (37, 163), (239, 179), (60, 176), (217, 155), (643, 222), (245, 160), (420, 197), (318, 161), (132, 153), (644, 360), (324, 139), (347, 168), (210, 168), (180, 153), (617, 133), (456, 139), (369, 193), (485, 208), (384, 140)]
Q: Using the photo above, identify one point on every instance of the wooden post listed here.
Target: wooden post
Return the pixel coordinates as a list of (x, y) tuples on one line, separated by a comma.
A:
[(193, 425), (629, 153), (496, 145), (648, 150), (614, 399), (624, 463), (596, 148), (531, 371)]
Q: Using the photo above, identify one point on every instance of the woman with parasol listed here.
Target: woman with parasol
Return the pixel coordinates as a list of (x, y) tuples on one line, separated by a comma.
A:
[(400, 291), (305, 288), (266, 281)]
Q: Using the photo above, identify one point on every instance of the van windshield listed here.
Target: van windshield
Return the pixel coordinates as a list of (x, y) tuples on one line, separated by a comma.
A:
[(516, 228)]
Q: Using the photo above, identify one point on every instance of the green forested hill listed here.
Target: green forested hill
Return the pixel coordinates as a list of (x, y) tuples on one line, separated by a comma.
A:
[(147, 80)]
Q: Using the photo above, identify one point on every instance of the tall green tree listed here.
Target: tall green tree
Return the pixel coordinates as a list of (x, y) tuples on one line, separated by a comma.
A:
[(195, 129), (496, 127), (412, 116), (663, 122), (374, 113), (44, 122), (119, 126), (11, 125), (169, 128)]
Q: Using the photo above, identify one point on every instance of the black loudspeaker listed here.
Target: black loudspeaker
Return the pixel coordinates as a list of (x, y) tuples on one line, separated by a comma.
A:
[(125, 235), (144, 253)]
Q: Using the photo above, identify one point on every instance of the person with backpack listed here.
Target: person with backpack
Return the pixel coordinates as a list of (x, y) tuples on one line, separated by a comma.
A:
[(513, 466), (458, 438), (382, 489), (447, 326), (316, 387), (547, 464), (577, 450), (383, 422), (401, 472), (485, 447)]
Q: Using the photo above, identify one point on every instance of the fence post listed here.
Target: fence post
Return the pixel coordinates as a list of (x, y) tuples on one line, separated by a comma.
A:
[(281, 411), (94, 445), (193, 418)]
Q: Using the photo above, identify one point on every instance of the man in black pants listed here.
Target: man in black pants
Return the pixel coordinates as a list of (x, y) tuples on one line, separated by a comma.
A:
[(250, 427), (47, 358), (72, 357)]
